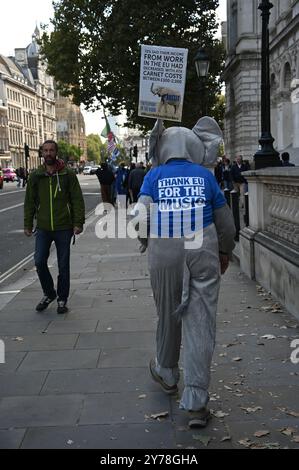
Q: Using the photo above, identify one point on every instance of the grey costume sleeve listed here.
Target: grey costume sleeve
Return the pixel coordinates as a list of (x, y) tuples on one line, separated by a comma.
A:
[(225, 227)]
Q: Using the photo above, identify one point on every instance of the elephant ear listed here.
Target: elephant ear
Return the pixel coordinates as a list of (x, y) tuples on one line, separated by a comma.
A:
[(155, 136), (208, 131)]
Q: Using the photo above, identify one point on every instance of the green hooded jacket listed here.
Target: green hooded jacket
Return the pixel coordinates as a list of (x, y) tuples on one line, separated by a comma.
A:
[(55, 200)]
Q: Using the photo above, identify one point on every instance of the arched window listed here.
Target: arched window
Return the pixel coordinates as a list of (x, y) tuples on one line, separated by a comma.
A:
[(287, 76), (273, 83)]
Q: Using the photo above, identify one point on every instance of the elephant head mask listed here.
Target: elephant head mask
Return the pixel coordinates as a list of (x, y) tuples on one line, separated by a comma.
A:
[(199, 145)]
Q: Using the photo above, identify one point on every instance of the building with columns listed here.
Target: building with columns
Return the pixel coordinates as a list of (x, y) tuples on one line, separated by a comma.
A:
[(242, 77), (70, 123), (27, 111)]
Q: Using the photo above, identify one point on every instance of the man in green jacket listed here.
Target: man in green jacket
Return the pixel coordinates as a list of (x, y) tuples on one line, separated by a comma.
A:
[(54, 197)]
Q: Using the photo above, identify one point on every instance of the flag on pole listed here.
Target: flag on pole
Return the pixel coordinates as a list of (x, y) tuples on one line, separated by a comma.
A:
[(111, 142), (106, 129), (115, 154), (109, 135)]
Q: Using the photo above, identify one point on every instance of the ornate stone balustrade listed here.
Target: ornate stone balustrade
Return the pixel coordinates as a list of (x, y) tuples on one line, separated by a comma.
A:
[(284, 211), (269, 246)]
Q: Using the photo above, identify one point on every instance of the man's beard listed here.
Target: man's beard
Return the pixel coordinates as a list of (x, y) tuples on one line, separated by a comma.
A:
[(50, 161)]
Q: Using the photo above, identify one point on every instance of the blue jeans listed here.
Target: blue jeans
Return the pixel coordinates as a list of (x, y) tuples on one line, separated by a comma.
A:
[(43, 242)]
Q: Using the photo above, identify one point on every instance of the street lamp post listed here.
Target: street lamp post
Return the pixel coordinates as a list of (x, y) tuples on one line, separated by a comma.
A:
[(202, 64), (267, 155)]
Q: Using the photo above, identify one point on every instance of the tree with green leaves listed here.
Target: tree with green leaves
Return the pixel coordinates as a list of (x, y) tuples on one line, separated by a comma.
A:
[(94, 51), (68, 151), (94, 145)]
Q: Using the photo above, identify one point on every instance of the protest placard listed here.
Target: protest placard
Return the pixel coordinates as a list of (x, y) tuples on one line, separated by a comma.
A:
[(162, 82)]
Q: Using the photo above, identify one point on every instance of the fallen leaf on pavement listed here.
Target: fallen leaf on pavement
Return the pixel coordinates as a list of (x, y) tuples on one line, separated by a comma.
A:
[(251, 409), (268, 337), (18, 338), (203, 439), (287, 431), (236, 359), (142, 396), (226, 438), (261, 433), (163, 414), (219, 414), (70, 442), (295, 438), (245, 442)]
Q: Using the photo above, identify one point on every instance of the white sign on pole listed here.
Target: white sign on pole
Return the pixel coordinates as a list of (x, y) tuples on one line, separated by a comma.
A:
[(162, 82)]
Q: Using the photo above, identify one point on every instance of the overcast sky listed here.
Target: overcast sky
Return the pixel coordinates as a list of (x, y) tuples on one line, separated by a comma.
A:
[(18, 21)]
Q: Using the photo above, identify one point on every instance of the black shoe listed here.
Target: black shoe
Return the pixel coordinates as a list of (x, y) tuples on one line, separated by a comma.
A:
[(44, 303), (61, 306)]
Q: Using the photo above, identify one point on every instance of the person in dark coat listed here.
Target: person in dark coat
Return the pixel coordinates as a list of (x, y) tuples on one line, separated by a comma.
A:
[(239, 182), (106, 178), (285, 157), (135, 181)]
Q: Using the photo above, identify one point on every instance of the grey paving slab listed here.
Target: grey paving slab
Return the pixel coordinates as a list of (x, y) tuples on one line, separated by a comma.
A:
[(72, 326), (134, 436), (40, 342), (122, 408), (112, 285), (104, 380), (126, 357), (24, 412), (22, 384), (12, 361), (28, 314), (66, 359), (125, 324), (142, 283), (113, 340), (239, 432), (79, 299), (11, 438), (19, 328)]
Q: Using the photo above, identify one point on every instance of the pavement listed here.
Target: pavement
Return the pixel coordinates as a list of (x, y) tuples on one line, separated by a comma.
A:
[(81, 380)]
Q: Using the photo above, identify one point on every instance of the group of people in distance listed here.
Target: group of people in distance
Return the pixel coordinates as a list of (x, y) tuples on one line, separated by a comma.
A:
[(124, 182), (230, 176)]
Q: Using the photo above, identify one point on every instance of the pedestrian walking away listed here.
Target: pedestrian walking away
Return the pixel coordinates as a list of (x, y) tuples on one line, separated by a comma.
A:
[(239, 182), (106, 179), (54, 197), (136, 177), (185, 278)]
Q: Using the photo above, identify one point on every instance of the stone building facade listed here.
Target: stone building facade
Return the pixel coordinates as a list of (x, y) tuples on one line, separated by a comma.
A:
[(28, 106), (70, 123), (242, 77)]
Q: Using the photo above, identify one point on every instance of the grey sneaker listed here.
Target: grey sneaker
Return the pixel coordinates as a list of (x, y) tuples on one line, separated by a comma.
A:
[(200, 418), (169, 389)]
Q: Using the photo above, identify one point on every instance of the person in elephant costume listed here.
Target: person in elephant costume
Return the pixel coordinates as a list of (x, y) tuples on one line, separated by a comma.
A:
[(189, 236)]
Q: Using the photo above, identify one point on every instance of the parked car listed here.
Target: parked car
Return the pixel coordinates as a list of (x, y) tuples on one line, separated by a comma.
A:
[(94, 169), (9, 174), (87, 170), (1, 180)]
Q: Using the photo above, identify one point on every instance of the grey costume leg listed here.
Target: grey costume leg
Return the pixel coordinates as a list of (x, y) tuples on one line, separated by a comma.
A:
[(200, 297), (166, 262)]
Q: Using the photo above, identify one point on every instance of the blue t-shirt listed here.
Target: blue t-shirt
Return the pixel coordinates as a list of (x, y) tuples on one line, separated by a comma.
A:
[(184, 194)]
